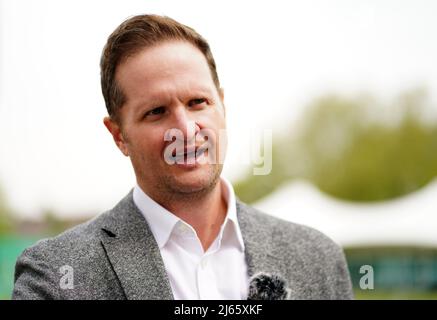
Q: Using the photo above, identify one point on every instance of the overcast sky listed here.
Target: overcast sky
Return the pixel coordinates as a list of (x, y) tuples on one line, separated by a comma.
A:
[(273, 58)]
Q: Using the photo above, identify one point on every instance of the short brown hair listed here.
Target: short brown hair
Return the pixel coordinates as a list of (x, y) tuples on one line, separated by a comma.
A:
[(135, 34)]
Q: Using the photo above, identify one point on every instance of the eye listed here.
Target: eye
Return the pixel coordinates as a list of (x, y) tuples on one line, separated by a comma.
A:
[(197, 101), (155, 111)]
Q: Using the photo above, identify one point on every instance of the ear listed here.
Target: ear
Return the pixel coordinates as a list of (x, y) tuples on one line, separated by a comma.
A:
[(117, 134)]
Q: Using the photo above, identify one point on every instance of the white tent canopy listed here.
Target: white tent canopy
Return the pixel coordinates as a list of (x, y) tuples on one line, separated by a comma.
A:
[(410, 220)]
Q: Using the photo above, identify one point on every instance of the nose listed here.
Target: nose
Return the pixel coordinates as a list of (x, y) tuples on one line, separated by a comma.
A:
[(185, 122)]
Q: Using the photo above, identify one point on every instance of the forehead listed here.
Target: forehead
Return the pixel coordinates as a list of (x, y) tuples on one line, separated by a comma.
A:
[(166, 66)]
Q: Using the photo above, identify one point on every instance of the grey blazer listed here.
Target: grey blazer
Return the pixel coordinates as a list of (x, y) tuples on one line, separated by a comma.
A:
[(115, 256)]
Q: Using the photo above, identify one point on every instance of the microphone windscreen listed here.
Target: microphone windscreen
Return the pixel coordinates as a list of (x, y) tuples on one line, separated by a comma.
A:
[(264, 286)]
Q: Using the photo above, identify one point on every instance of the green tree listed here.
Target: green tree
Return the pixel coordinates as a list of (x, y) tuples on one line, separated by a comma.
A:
[(350, 153)]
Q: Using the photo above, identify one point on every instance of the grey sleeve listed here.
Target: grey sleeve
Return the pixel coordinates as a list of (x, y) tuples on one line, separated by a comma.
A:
[(34, 278), (342, 282)]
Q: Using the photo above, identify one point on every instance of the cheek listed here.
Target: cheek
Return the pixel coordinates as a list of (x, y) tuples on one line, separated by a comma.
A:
[(148, 144), (215, 130), (214, 120)]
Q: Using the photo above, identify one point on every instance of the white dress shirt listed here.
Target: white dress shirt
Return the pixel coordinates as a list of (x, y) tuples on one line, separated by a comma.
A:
[(220, 272)]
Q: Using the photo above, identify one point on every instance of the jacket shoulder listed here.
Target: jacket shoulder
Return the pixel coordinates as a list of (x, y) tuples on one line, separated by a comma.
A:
[(40, 268), (287, 232), (74, 239)]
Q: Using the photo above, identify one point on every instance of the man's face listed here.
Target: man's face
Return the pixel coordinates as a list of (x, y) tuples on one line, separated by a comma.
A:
[(169, 86)]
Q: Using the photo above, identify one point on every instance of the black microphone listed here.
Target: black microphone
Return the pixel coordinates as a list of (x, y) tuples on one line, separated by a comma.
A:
[(263, 286)]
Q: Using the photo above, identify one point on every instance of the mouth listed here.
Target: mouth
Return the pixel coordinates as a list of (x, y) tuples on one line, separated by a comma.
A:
[(189, 156)]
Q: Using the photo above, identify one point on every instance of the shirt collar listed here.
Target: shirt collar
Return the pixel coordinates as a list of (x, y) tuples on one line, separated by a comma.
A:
[(231, 215), (162, 222)]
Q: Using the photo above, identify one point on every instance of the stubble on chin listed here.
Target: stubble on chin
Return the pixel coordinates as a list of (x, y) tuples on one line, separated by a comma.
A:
[(173, 189)]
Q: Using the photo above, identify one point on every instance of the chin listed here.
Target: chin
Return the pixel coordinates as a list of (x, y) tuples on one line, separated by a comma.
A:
[(195, 181)]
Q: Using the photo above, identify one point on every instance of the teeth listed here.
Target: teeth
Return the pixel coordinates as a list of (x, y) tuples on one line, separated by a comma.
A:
[(200, 152), (190, 154)]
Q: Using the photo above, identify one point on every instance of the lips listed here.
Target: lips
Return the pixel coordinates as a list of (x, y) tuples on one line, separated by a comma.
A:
[(197, 152)]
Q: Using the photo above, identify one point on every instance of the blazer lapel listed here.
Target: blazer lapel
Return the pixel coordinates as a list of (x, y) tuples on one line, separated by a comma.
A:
[(257, 237), (134, 254)]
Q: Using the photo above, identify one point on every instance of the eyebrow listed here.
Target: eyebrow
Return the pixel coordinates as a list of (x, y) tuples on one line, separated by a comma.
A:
[(155, 101)]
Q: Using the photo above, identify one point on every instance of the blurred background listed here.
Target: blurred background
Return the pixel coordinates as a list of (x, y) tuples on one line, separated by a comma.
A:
[(348, 89)]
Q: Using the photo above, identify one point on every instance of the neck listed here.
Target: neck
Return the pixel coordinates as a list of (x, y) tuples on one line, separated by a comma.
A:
[(205, 215), (205, 212)]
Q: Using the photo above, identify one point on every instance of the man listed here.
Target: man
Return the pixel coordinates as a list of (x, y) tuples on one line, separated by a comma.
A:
[(180, 233)]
